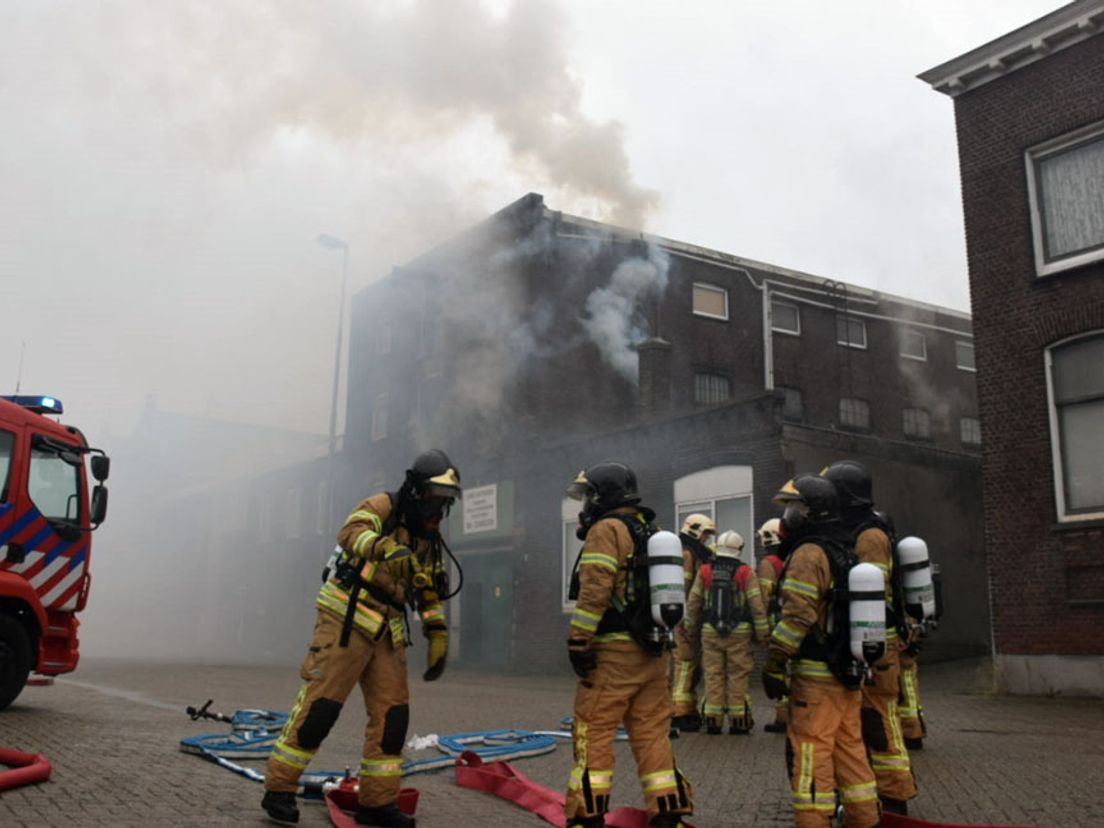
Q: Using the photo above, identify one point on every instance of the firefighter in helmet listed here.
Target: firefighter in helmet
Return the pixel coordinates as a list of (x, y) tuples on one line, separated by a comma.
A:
[(769, 571), (622, 673), (725, 609), (696, 534), (825, 749), (391, 557), (874, 544)]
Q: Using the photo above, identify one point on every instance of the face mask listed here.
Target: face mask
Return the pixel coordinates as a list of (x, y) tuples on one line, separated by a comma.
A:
[(795, 517)]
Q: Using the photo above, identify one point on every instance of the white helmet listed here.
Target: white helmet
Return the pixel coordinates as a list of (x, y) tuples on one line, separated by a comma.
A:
[(699, 527), (729, 545), (769, 533)]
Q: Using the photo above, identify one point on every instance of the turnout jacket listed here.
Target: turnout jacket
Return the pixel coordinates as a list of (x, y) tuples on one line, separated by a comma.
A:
[(745, 586), (386, 565), (804, 599), (603, 577)]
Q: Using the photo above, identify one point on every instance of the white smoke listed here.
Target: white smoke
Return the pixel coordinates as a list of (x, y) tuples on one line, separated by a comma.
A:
[(614, 317)]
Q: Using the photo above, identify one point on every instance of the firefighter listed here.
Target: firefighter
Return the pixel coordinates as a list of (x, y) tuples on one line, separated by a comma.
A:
[(881, 729), (696, 533), (725, 609), (825, 749), (391, 557), (622, 669), (770, 570)]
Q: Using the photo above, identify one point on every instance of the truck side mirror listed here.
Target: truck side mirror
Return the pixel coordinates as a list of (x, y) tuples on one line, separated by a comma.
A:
[(99, 505), (101, 466)]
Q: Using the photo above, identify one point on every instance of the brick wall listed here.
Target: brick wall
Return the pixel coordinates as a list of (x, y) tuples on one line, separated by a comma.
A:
[(1047, 581)]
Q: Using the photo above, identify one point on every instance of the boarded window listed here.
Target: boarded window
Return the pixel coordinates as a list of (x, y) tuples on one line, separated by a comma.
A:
[(710, 300)]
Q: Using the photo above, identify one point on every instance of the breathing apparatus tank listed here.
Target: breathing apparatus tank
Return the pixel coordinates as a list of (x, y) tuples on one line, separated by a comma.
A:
[(866, 593), (916, 577), (665, 575)]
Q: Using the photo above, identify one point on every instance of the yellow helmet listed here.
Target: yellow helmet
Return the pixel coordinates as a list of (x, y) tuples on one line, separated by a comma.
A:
[(699, 527)]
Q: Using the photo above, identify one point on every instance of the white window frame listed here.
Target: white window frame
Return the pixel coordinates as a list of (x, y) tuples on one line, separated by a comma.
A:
[(923, 345), (716, 289), (1055, 436), (1032, 156), (700, 491), (797, 315), (961, 428), (848, 319), (958, 363), (569, 520)]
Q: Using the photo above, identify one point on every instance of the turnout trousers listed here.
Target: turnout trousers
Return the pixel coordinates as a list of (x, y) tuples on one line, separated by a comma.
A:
[(881, 730), (825, 751), (628, 686), (910, 709), (727, 662), (330, 672), (687, 674)]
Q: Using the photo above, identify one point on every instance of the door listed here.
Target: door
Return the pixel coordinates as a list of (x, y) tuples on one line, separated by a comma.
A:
[(486, 611)]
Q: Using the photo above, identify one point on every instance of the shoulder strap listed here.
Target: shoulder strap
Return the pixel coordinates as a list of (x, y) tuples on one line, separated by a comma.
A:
[(742, 576), (706, 573)]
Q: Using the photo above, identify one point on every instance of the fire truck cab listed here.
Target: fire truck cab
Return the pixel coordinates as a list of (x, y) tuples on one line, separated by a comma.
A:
[(47, 515)]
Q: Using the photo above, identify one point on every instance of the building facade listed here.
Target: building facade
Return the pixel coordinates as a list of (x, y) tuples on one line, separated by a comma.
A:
[(538, 343), (1029, 110)]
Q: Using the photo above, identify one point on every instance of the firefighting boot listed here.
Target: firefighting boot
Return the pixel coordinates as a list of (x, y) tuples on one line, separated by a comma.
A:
[(914, 744), (713, 726), (385, 816), (280, 807), (894, 806), (587, 822), (690, 723)]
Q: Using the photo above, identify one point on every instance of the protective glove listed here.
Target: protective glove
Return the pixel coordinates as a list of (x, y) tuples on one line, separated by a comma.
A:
[(774, 675), (438, 652), (583, 659)]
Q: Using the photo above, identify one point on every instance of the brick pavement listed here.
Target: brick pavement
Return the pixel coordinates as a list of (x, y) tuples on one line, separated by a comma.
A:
[(111, 732)]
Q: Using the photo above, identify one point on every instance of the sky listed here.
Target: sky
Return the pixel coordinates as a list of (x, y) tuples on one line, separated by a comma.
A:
[(165, 168)]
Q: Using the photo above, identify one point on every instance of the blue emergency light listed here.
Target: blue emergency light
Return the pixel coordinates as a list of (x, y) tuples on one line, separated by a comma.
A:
[(36, 403)]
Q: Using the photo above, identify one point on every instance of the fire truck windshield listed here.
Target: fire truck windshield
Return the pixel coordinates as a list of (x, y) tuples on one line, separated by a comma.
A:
[(54, 484)]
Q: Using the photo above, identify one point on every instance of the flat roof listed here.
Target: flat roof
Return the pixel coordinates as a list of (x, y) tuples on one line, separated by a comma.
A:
[(1062, 28)]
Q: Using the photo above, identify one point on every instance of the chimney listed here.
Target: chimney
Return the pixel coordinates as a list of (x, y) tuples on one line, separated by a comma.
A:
[(655, 376)]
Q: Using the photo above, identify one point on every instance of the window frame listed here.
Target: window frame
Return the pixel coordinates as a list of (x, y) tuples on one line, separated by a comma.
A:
[(6, 477), (920, 415), (78, 476), (848, 318), (716, 289), (958, 363), (962, 439), (923, 345), (702, 490), (1033, 156), (713, 375), (1057, 462), (851, 426), (569, 521), (797, 315)]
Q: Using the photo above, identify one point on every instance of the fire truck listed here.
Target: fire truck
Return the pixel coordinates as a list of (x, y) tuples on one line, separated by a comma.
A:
[(47, 515)]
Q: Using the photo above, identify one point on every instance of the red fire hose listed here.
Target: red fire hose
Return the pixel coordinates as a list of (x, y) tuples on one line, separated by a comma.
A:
[(26, 769)]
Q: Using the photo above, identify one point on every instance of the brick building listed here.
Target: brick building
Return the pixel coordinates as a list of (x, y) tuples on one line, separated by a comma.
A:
[(1029, 110), (538, 343)]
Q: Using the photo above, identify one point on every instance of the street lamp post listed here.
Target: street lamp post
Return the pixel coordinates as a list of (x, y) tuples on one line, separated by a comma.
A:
[(331, 243)]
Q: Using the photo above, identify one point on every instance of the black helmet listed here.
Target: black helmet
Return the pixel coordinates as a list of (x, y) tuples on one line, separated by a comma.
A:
[(604, 487), (433, 475), (809, 499), (853, 481)]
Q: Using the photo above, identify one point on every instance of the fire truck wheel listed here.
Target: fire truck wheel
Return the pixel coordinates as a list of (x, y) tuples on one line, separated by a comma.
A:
[(15, 659)]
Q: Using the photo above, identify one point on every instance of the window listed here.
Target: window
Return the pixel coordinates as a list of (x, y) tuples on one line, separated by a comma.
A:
[(917, 423), (850, 331), (914, 345), (569, 513), (1065, 179), (54, 485), (964, 355), (710, 389), (379, 416), (710, 300), (969, 429), (724, 494), (854, 413), (785, 318), (1075, 384), (792, 406), (7, 442)]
